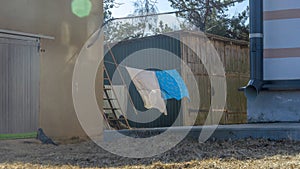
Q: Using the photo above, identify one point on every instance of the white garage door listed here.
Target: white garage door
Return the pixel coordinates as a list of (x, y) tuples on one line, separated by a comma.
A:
[(19, 84)]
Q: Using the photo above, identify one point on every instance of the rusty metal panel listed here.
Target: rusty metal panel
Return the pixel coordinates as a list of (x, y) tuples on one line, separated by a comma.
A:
[(19, 84)]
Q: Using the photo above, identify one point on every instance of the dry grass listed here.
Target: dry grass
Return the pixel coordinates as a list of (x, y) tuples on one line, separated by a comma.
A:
[(188, 154)]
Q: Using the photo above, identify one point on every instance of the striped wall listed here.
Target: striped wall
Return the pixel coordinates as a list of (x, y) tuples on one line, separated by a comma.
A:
[(281, 39)]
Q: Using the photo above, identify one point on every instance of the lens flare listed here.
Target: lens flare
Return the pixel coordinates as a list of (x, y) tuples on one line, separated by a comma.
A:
[(81, 8)]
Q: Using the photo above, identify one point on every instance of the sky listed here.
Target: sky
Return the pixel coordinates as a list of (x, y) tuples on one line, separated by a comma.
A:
[(164, 6)]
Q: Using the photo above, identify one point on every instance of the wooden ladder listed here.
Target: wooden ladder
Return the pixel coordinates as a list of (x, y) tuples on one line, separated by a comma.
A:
[(114, 120), (110, 112)]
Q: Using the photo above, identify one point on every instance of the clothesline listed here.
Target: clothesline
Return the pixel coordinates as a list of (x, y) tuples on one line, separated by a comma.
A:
[(124, 66)]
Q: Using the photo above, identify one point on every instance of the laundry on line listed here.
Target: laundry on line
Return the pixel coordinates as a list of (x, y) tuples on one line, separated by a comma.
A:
[(172, 85), (157, 86), (147, 85)]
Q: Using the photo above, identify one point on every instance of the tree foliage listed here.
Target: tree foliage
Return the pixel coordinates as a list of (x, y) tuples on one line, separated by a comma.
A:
[(124, 30), (206, 15), (118, 31), (137, 27), (107, 6), (210, 16), (144, 8)]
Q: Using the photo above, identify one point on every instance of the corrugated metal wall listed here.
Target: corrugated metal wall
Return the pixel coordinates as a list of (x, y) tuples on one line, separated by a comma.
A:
[(19, 84), (146, 53)]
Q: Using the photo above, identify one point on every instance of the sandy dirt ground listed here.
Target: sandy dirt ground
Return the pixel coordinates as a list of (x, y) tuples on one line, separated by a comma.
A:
[(188, 154)]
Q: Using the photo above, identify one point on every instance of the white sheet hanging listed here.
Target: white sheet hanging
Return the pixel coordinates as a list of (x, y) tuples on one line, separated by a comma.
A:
[(147, 85)]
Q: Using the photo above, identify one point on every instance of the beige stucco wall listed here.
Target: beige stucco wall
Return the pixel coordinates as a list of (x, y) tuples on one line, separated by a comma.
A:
[(54, 18)]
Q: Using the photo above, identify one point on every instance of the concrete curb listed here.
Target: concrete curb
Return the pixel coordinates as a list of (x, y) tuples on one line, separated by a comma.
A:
[(272, 131)]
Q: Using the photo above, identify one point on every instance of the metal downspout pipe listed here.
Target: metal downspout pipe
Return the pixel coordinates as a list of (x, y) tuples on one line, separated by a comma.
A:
[(256, 50)]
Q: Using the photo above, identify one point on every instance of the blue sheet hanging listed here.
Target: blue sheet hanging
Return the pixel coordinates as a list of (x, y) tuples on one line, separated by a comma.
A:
[(172, 85)]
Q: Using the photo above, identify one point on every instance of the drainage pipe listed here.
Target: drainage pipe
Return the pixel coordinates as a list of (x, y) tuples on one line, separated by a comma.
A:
[(256, 50)]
